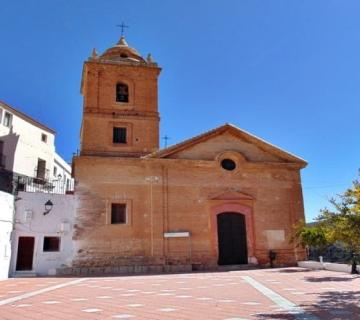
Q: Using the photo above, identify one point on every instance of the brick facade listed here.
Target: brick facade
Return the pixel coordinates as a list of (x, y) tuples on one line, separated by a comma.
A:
[(181, 188)]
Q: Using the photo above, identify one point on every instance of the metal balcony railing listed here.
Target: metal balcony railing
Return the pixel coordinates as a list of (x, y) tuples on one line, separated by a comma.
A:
[(42, 174), (12, 182), (333, 253)]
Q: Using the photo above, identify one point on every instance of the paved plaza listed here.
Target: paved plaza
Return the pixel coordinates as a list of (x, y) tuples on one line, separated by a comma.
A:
[(289, 293)]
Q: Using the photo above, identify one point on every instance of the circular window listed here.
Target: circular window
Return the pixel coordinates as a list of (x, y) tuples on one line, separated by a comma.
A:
[(228, 164)]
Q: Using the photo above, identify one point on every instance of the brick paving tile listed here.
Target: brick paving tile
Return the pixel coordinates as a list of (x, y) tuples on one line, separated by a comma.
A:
[(326, 294), (232, 295), (16, 286)]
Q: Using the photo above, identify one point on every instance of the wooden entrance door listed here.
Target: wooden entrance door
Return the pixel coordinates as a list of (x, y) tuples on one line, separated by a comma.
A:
[(25, 253), (232, 238)]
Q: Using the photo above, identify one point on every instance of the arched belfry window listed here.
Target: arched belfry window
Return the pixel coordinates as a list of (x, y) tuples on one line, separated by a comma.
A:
[(122, 92)]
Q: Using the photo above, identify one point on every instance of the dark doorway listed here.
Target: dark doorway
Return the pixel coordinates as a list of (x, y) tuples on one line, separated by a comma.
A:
[(232, 238), (25, 253), (2, 158)]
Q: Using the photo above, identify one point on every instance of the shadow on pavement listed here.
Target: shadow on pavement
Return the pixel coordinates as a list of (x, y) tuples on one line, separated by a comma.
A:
[(329, 305), (326, 279), (293, 270)]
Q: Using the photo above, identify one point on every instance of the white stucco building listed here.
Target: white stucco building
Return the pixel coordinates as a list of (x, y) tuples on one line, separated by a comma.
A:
[(36, 201), (42, 238), (6, 226), (27, 148)]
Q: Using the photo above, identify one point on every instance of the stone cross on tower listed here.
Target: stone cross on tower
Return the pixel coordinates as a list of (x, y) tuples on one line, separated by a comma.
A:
[(122, 26)]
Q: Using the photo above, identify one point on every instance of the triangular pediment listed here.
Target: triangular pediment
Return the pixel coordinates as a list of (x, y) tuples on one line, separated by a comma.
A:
[(227, 138), (231, 195)]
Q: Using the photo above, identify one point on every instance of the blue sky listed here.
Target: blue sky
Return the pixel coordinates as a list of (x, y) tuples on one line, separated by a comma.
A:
[(286, 71)]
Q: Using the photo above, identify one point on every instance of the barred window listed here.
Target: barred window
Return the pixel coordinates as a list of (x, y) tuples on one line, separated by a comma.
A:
[(122, 92), (7, 119), (119, 135)]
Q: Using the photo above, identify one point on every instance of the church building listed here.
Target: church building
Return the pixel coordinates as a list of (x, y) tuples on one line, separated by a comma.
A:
[(224, 197)]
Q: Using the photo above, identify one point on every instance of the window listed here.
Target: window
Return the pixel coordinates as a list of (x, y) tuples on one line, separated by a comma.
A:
[(55, 171), (41, 169), (122, 92), (228, 164), (7, 119), (119, 135), (118, 213), (51, 244), (67, 184), (20, 186), (43, 137), (1, 112)]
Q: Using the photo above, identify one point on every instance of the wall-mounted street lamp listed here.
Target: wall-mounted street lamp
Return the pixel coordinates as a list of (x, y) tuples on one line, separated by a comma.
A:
[(48, 206)]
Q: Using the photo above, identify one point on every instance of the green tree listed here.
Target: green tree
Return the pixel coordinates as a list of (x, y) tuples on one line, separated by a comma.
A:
[(310, 236), (342, 223), (339, 224)]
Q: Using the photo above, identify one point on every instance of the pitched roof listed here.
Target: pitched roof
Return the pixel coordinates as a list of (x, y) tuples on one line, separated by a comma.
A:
[(262, 144), (26, 117)]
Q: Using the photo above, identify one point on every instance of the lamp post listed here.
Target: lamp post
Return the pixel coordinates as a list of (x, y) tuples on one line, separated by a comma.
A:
[(354, 258), (151, 180)]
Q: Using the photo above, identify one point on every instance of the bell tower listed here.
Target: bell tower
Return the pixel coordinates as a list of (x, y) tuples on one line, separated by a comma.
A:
[(120, 109)]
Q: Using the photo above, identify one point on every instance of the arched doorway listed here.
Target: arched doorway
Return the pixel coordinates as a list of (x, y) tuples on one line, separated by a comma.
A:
[(232, 243)]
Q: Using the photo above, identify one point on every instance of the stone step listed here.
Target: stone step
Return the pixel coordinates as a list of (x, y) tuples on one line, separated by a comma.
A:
[(122, 270), (234, 267), (24, 274)]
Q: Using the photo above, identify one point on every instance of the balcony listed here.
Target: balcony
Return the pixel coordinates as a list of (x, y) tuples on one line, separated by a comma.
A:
[(41, 174), (12, 182)]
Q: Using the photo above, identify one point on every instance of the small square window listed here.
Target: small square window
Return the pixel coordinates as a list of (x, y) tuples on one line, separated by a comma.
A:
[(118, 213), (119, 135), (51, 244), (7, 119), (43, 137)]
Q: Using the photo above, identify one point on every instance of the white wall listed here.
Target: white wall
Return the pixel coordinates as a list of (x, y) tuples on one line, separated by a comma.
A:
[(63, 172), (6, 225), (31, 221), (315, 265), (23, 145)]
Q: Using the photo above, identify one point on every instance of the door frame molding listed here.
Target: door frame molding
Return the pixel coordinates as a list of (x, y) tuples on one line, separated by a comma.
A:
[(235, 208)]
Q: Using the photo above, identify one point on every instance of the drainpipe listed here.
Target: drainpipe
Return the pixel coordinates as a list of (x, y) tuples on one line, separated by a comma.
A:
[(151, 180)]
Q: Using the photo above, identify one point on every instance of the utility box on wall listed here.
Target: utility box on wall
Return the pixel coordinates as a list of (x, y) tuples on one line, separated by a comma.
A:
[(64, 227), (28, 214)]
